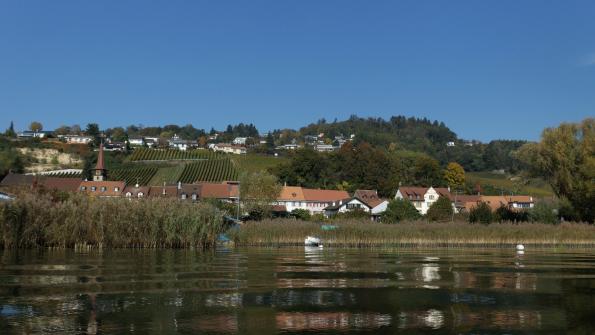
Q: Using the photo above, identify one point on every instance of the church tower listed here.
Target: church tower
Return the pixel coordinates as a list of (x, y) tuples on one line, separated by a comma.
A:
[(100, 173)]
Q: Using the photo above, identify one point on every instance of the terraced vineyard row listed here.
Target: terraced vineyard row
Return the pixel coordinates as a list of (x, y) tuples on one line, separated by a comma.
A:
[(77, 175), (132, 176), (212, 170), (144, 154)]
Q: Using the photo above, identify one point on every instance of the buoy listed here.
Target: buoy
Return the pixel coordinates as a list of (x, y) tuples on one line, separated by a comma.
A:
[(520, 247)]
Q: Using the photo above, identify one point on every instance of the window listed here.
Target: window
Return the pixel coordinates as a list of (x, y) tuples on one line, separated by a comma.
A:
[(116, 189), (103, 188), (93, 188), (193, 196), (141, 194), (431, 197), (83, 188), (128, 194), (184, 196)]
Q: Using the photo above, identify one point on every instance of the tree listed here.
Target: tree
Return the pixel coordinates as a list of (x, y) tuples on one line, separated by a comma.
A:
[(565, 157), (441, 210), (427, 172), (454, 175), (301, 214), (62, 130), (93, 131), (400, 210), (10, 131), (257, 192), (36, 126), (481, 214)]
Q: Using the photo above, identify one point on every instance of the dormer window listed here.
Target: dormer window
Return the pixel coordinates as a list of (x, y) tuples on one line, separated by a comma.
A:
[(128, 194), (93, 188), (116, 189), (141, 194), (103, 188), (184, 196), (193, 196), (83, 188)]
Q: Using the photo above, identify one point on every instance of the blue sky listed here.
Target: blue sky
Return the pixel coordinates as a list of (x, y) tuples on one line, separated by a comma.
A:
[(488, 69)]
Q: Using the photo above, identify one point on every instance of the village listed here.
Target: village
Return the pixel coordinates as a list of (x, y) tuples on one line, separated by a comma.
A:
[(291, 199)]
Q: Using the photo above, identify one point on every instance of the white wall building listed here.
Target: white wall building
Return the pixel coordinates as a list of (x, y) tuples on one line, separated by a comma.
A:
[(422, 197)]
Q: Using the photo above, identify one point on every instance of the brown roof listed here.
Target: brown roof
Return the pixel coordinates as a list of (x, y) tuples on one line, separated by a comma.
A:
[(311, 194), (495, 201), (370, 197), (218, 190), (163, 191), (16, 179), (443, 192), (60, 184), (134, 191), (413, 193), (112, 188), (189, 190), (291, 193)]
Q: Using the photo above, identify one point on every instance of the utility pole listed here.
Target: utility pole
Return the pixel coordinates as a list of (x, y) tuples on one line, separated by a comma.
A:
[(238, 212)]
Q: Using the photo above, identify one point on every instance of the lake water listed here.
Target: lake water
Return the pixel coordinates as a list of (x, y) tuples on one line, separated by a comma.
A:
[(297, 290)]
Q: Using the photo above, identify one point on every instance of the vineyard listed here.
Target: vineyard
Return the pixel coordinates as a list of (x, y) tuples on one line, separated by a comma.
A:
[(169, 175), (132, 176), (144, 154), (68, 174), (212, 170)]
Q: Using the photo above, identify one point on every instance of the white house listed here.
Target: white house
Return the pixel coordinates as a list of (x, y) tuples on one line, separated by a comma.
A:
[(76, 139), (34, 134), (136, 141), (345, 206), (312, 200), (422, 197), (228, 148), (240, 140), (324, 147)]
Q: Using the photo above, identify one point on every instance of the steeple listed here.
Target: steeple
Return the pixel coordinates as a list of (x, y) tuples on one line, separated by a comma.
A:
[(100, 173)]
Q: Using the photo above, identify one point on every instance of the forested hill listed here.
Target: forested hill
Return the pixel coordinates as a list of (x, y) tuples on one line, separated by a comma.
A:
[(422, 135), (406, 133)]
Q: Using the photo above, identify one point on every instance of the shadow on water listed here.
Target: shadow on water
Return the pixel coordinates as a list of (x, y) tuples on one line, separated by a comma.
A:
[(296, 290)]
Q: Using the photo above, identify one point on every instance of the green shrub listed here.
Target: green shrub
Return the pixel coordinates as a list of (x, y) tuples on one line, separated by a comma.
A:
[(441, 210), (301, 214), (544, 212), (481, 214), (400, 210)]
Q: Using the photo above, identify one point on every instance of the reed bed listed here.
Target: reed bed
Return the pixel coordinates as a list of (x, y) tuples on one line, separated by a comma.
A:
[(38, 220), (354, 233)]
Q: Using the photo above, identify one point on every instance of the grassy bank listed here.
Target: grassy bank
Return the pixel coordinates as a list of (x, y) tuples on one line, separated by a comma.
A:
[(367, 234), (44, 221)]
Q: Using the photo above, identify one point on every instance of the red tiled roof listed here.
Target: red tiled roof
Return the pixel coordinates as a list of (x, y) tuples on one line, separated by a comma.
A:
[(163, 191), (218, 190), (112, 188), (311, 194), (134, 191), (413, 193), (61, 184)]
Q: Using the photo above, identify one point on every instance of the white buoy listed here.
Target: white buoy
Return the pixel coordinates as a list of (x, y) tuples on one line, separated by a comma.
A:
[(520, 247)]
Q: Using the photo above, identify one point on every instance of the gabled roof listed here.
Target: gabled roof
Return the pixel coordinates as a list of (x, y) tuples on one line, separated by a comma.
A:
[(292, 193), (16, 179), (370, 197), (110, 188), (413, 193), (495, 201), (218, 190), (61, 184), (163, 191), (443, 192), (344, 202)]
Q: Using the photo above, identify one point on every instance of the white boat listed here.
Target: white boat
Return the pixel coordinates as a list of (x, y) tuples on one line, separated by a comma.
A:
[(312, 241)]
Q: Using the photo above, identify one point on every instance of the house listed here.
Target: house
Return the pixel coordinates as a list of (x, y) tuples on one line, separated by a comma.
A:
[(347, 205), (226, 191), (152, 142), (59, 184), (228, 148), (188, 191), (371, 198), (312, 200), (177, 143), (103, 189), (34, 134), (512, 202), (136, 191), (76, 139), (450, 144), (422, 197), (324, 147), (239, 140), (114, 146), (288, 147), (464, 203), (136, 141)]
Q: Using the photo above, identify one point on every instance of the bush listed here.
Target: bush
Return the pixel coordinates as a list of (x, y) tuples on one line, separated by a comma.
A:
[(505, 214), (544, 212), (481, 214), (441, 210), (301, 214), (400, 210)]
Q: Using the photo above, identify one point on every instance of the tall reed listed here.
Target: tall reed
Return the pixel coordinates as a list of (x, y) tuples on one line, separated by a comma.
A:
[(363, 233), (41, 221)]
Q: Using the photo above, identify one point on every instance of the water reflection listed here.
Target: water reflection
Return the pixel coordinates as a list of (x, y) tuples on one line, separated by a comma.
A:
[(296, 290)]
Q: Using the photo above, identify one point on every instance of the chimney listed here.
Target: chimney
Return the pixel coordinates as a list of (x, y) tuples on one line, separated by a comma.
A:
[(179, 185)]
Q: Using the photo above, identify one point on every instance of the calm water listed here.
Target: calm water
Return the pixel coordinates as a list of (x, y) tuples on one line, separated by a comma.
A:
[(297, 290)]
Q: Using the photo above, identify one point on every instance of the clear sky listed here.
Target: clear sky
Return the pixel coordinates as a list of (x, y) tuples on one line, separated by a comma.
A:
[(488, 69)]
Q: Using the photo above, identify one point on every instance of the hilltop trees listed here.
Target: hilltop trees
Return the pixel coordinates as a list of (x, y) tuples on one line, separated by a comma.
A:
[(36, 126), (565, 157)]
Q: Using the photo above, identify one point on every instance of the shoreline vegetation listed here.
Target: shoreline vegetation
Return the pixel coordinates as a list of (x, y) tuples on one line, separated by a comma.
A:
[(56, 220), (365, 234), (78, 221)]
